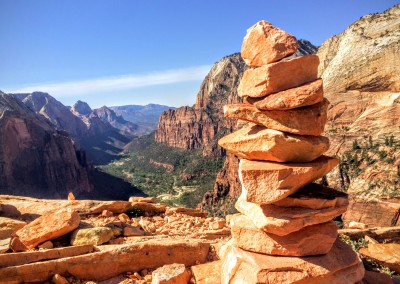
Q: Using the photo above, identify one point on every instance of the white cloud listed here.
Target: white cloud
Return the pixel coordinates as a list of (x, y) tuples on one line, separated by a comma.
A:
[(116, 83)]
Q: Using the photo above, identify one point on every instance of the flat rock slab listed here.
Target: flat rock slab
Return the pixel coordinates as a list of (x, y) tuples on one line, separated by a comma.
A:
[(305, 95), (48, 227), (371, 277), (308, 120), (265, 44), (207, 273), (311, 240), (340, 266), (13, 259), (171, 274), (186, 211), (9, 226), (267, 182), (103, 265), (282, 221), (91, 236), (385, 254), (388, 234), (256, 142), (279, 76), (315, 196), (150, 209)]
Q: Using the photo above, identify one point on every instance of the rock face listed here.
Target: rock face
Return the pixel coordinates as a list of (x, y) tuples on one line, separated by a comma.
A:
[(265, 43), (125, 127), (36, 159), (261, 143)]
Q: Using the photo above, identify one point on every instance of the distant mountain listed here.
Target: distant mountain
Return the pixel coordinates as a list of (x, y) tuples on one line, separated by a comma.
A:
[(125, 127), (146, 117)]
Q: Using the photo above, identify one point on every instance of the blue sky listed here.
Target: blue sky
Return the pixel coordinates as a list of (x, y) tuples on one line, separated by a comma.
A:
[(118, 52)]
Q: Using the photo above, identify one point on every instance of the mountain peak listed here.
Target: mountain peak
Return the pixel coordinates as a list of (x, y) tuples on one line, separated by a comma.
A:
[(82, 108)]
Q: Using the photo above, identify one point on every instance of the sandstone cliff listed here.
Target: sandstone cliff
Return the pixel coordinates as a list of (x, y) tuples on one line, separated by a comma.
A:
[(35, 159), (361, 79)]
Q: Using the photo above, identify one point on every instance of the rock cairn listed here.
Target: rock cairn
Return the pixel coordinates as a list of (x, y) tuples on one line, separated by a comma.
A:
[(285, 232)]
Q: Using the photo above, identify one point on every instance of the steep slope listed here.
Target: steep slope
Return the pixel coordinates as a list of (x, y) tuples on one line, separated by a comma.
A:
[(361, 73), (35, 159)]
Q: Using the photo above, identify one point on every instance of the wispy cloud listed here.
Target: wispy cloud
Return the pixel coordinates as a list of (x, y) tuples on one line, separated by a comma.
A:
[(116, 83)]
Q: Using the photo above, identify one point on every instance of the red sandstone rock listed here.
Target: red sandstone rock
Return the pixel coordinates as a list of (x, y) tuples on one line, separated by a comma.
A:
[(186, 211), (311, 240), (149, 208), (308, 120), (282, 221), (279, 76), (131, 231), (207, 273), (265, 44), (305, 95), (340, 266), (171, 274), (385, 254), (267, 182), (58, 279), (371, 277), (71, 196), (255, 142), (48, 227)]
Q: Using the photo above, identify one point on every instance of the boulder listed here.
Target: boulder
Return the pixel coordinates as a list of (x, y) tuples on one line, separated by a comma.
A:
[(9, 226), (308, 120), (340, 266), (267, 182), (282, 221), (311, 240), (384, 254), (305, 95), (48, 227), (314, 196), (171, 274), (265, 44), (91, 236), (207, 273), (279, 76), (255, 142)]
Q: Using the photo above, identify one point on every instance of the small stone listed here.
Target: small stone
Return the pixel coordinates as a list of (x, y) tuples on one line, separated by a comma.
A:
[(107, 213), (308, 120), (282, 221), (279, 76), (71, 196), (171, 274), (305, 95), (58, 279), (91, 236), (46, 245), (216, 225), (124, 218), (267, 182), (256, 142), (357, 225), (132, 231), (147, 226), (265, 44)]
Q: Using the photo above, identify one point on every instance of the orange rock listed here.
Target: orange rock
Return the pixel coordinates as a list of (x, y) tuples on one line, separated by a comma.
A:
[(71, 196), (106, 213), (314, 196), (186, 211), (131, 231), (16, 245), (48, 227), (207, 273), (357, 225), (124, 218), (58, 279), (217, 225), (282, 221), (385, 254), (9, 226), (142, 199), (150, 209), (305, 95), (308, 120), (171, 274), (311, 240), (267, 182), (279, 76), (340, 265), (256, 142), (265, 44)]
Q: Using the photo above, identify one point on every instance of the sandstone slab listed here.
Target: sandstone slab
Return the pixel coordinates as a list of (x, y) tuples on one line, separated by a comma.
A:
[(265, 44), (9, 226), (207, 273), (340, 266), (305, 95), (91, 236), (371, 277), (256, 142), (385, 254), (48, 227), (308, 120), (383, 234), (142, 199), (171, 274), (150, 209), (312, 240), (282, 221), (185, 211), (279, 76), (267, 182), (314, 196), (146, 255)]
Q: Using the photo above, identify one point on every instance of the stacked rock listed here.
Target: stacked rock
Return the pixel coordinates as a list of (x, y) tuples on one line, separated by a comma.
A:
[(285, 232)]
